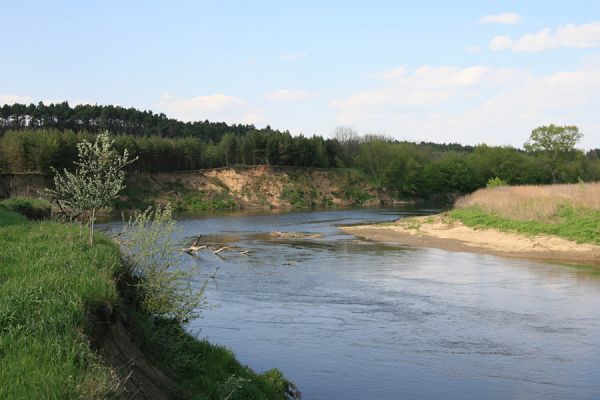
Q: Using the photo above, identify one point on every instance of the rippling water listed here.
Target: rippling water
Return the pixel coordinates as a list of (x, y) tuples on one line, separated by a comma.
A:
[(350, 319)]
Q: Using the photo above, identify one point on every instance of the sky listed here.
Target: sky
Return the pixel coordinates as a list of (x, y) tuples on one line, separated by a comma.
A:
[(444, 71)]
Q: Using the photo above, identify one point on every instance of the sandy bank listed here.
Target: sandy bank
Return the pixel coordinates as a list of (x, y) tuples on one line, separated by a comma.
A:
[(440, 232)]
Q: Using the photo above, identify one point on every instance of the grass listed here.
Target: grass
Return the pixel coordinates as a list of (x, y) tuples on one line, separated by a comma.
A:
[(568, 211), (531, 202), (201, 369), (8, 217), (50, 279), (36, 209)]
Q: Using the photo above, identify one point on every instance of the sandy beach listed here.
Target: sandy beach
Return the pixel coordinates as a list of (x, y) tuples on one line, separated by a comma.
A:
[(441, 232)]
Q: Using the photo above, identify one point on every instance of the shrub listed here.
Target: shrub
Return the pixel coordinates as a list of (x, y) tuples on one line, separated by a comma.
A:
[(495, 182), (151, 255)]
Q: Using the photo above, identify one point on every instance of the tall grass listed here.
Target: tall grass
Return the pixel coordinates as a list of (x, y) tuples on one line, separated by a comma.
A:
[(529, 202), (570, 211), (49, 279)]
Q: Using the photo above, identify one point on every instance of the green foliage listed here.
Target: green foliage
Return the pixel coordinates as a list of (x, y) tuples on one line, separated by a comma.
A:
[(553, 138), (50, 279), (555, 145), (194, 200), (580, 225), (208, 371), (495, 182), (153, 257), (375, 157), (96, 182), (401, 169)]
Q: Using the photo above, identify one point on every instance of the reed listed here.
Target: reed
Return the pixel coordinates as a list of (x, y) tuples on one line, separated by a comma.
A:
[(533, 202)]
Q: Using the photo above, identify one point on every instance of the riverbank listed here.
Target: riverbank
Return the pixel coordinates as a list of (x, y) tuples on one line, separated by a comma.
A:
[(70, 329), (552, 222), (442, 232), (231, 188)]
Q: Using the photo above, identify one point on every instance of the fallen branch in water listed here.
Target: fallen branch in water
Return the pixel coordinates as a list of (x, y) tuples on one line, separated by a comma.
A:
[(221, 249), (294, 235)]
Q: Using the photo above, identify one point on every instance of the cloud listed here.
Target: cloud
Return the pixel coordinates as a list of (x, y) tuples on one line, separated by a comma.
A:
[(291, 95), (425, 86), (503, 18), (571, 36), (501, 43), (215, 107), (15, 98), (474, 49), (475, 104), (294, 56), (9, 98)]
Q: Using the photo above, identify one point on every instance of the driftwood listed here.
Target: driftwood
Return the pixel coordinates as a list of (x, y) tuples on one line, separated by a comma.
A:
[(221, 249), (195, 247), (294, 235)]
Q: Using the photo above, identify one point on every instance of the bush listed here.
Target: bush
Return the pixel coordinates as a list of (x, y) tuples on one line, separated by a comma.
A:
[(495, 182), (151, 255)]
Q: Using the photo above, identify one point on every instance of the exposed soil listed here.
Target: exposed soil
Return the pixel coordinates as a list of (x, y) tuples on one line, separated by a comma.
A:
[(257, 187), (440, 232), (111, 337), (241, 187)]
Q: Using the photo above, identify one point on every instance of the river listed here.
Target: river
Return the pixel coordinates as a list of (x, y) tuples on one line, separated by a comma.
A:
[(345, 318)]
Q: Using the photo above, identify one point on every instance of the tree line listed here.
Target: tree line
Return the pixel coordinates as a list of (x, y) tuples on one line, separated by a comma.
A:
[(115, 119), (403, 169)]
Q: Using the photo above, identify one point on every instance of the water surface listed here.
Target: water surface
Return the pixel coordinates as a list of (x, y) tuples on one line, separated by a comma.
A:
[(350, 319)]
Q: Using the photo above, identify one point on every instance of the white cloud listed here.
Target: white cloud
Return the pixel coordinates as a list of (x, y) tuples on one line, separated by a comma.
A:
[(501, 43), (291, 95), (573, 36), (215, 107), (294, 56), (9, 98), (425, 86), (476, 104), (503, 18), (474, 49), (15, 98)]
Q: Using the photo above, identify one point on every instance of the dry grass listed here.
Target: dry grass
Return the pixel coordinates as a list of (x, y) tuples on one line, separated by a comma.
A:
[(531, 202)]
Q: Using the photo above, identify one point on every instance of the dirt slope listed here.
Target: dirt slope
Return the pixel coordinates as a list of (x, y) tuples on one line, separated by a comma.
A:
[(253, 187), (228, 188)]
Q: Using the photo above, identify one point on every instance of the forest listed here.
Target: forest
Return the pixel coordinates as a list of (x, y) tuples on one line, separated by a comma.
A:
[(42, 138)]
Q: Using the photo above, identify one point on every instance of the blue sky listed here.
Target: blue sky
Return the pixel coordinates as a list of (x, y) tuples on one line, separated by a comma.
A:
[(446, 71)]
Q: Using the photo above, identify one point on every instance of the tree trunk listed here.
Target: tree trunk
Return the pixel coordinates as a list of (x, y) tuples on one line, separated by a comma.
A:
[(92, 227)]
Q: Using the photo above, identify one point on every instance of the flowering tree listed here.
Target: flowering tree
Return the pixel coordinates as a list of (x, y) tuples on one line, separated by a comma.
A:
[(98, 178)]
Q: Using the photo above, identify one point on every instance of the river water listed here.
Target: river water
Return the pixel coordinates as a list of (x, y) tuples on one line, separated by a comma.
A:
[(345, 318)]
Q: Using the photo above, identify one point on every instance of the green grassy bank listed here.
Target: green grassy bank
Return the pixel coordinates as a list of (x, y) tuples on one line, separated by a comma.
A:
[(579, 225), (51, 281), (568, 211)]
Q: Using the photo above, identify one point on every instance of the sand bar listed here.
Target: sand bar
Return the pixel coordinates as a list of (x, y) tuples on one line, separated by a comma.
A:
[(441, 232)]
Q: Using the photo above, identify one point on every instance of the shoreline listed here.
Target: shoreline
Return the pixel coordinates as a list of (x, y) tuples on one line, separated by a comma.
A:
[(438, 231)]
